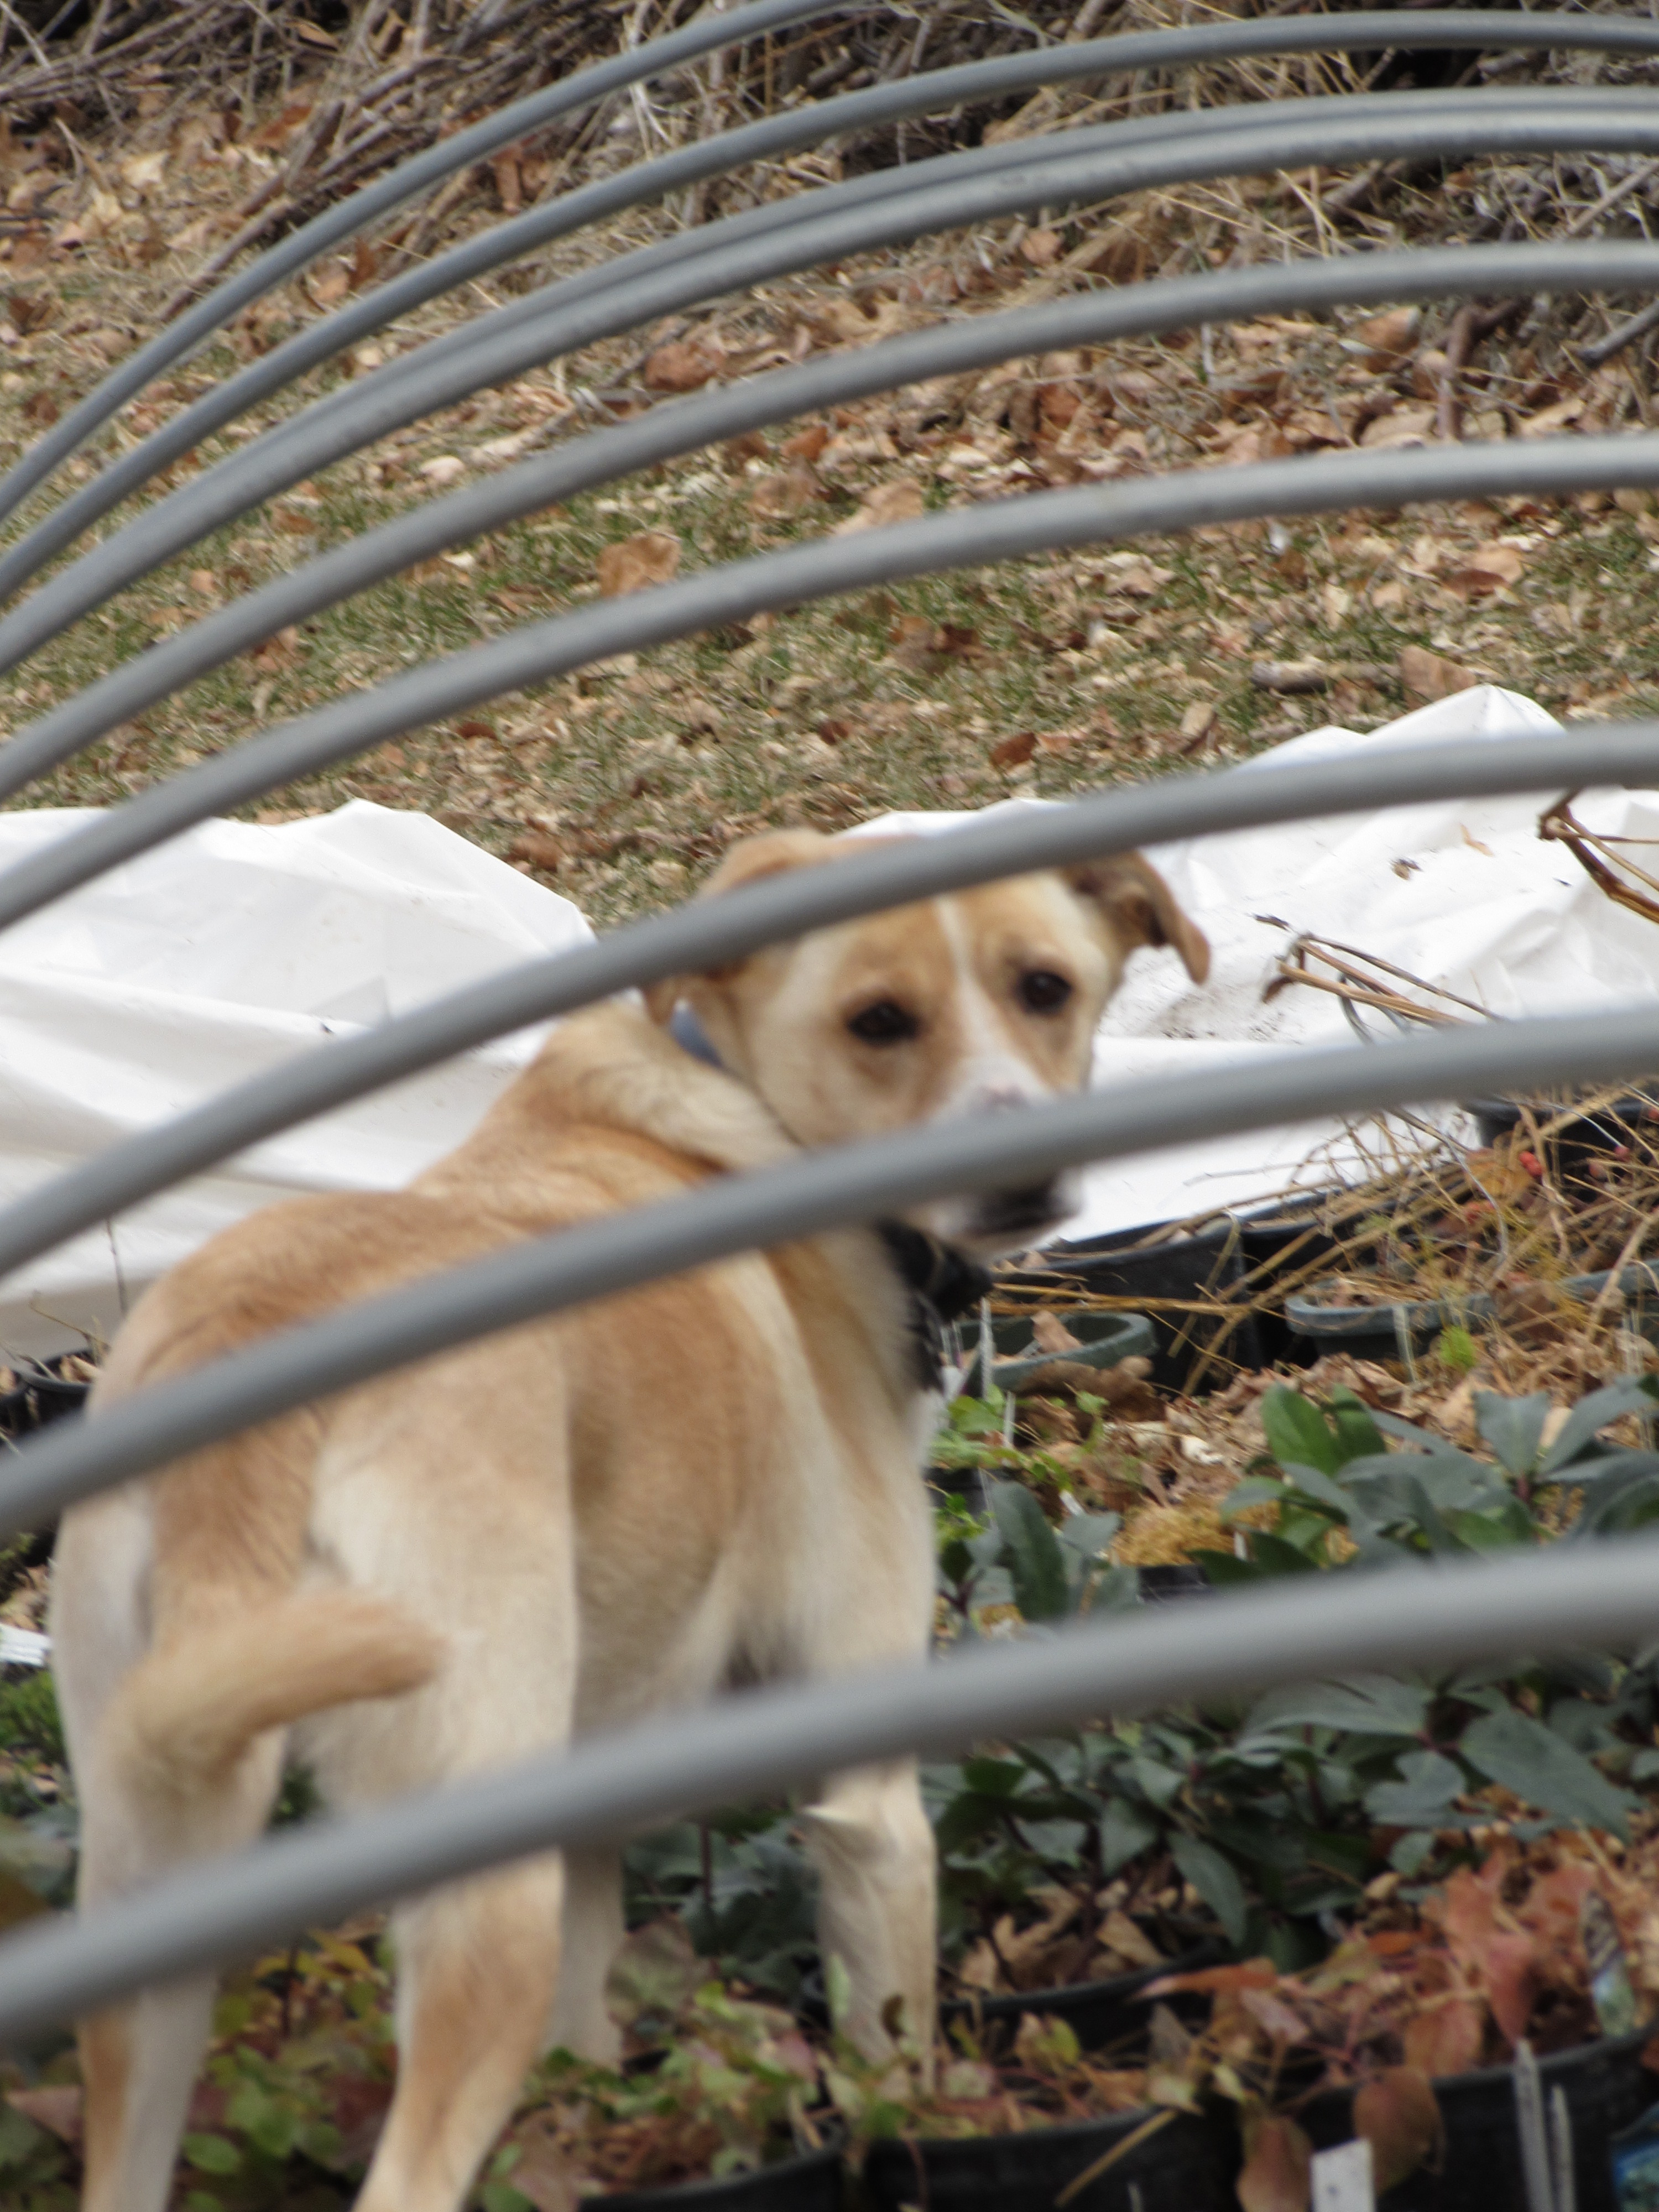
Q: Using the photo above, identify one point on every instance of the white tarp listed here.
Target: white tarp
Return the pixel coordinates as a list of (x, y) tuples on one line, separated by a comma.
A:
[(210, 960), (236, 947), (1463, 894)]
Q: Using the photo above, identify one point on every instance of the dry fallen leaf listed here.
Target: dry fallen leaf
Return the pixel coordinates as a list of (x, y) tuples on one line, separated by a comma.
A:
[(141, 171), (1135, 576), (900, 501), (806, 445), (776, 498), (57, 2108), (1398, 2116), (1288, 675), (1129, 1940), (1050, 1333), (1387, 337), (915, 640), (1014, 752), (445, 469), (541, 850), (1197, 725), (1427, 676), (329, 283), (278, 651), (684, 364), (650, 557), (204, 581), (1400, 426), (1488, 569), (1277, 2176), (1040, 247)]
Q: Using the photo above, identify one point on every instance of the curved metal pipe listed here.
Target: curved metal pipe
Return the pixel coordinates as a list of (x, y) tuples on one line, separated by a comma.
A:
[(942, 350), (1435, 1619), (928, 93), (788, 576), (708, 33), (810, 1193), (964, 189)]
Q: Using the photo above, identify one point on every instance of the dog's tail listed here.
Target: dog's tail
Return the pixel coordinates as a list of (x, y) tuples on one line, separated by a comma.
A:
[(189, 1709)]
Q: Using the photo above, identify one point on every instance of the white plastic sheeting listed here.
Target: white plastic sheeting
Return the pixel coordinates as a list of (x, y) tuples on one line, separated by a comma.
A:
[(219, 956), (235, 946), (1464, 895)]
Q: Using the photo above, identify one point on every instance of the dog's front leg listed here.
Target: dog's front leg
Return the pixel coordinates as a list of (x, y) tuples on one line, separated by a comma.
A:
[(593, 1931), (869, 1836)]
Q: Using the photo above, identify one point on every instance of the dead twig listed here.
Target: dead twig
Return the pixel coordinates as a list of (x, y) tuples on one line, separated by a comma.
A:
[(1557, 824)]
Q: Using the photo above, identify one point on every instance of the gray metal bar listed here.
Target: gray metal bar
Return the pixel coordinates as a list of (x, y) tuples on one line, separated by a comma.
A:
[(709, 932), (790, 575), (815, 1191), (1430, 1617), (966, 189), (929, 93), (705, 35), (944, 348)]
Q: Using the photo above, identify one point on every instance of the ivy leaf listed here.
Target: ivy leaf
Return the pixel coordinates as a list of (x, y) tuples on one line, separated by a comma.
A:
[(1514, 1427), (1224, 1567), (1314, 1484), (1277, 1556), (1125, 1831), (1297, 1432), (1090, 1534), (212, 2154), (1361, 1704), (1214, 1880), (1356, 1433), (1032, 1553), (1524, 1756), (1255, 1490), (993, 1778), (1593, 1414), (1430, 1784)]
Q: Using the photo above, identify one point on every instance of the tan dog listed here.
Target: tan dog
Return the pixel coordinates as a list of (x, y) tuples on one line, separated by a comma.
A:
[(612, 1512)]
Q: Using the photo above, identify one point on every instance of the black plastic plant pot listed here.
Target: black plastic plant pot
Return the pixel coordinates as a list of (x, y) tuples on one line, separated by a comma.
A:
[(1599, 1130), (1099, 2013), (1103, 1338), (813, 2183), (39, 1394), (1158, 2162), (1382, 1331), (1191, 1348), (1607, 2089)]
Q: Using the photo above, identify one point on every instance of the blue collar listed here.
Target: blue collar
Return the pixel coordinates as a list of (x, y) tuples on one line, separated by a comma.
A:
[(689, 1033)]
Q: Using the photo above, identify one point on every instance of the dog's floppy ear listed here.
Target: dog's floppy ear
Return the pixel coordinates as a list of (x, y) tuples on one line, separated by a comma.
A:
[(1132, 895), (751, 858)]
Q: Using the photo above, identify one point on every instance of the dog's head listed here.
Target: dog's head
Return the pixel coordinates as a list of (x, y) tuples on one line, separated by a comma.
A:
[(983, 1000)]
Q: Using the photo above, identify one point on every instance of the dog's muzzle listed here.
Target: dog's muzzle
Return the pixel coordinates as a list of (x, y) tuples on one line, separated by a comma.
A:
[(1032, 1211)]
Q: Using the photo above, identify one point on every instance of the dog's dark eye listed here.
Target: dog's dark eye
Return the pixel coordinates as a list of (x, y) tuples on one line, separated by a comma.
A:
[(1043, 992), (885, 1022)]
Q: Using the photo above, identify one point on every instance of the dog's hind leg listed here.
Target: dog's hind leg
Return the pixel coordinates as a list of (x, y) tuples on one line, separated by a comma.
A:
[(870, 1835), (477, 1961), (139, 2060), (477, 1966)]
